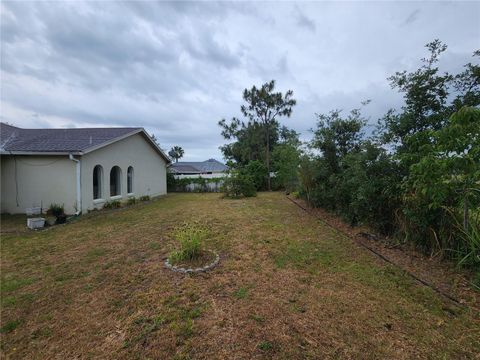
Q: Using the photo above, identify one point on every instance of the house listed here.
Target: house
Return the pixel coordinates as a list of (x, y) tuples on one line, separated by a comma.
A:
[(210, 168), (79, 168)]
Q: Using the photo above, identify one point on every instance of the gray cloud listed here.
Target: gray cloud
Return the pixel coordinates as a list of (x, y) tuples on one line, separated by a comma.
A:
[(305, 21), (176, 68), (412, 17)]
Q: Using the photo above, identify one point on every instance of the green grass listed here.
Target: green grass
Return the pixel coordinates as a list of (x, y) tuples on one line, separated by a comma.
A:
[(12, 284), (265, 346), (41, 333), (10, 326), (96, 252), (257, 318), (241, 293)]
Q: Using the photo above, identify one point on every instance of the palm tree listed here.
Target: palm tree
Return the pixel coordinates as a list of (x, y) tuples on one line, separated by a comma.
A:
[(176, 153)]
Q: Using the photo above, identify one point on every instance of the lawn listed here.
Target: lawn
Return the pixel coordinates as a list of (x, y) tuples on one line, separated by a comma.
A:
[(286, 287)]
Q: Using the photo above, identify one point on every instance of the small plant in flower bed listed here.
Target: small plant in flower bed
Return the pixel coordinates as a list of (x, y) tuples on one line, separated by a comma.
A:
[(144, 198), (114, 204), (56, 209), (131, 201), (59, 212), (191, 252)]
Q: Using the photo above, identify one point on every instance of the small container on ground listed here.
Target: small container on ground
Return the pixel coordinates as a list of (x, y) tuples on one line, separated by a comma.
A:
[(36, 223), (33, 211)]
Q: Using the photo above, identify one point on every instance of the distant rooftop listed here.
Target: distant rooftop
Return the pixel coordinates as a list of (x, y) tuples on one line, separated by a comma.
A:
[(199, 167)]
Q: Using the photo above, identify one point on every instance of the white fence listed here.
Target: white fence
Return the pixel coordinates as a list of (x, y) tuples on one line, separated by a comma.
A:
[(209, 184)]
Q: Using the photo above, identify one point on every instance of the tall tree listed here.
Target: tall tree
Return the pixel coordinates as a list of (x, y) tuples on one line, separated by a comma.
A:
[(262, 108), (431, 97), (250, 141), (337, 136), (176, 153)]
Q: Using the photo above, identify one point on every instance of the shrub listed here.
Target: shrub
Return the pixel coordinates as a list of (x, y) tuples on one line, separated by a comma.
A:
[(144, 198), (131, 201), (257, 172), (237, 185), (114, 204), (56, 210), (191, 239), (247, 186), (171, 181), (286, 159)]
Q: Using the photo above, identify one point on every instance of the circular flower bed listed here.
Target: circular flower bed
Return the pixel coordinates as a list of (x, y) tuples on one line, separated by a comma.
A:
[(207, 260)]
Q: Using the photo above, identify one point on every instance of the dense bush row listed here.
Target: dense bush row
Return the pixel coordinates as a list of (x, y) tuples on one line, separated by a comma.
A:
[(416, 177)]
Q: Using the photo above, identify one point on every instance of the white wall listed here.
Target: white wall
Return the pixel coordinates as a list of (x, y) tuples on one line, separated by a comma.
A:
[(150, 172), (39, 181)]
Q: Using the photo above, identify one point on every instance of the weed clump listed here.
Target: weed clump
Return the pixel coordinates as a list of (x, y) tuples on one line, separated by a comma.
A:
[(191, 239), (114, 204)]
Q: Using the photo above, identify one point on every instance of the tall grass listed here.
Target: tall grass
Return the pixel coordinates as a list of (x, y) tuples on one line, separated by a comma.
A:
[(191, 238), (468, 251)]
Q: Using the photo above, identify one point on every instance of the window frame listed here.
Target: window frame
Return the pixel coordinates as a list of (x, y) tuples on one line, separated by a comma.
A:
[(99, 179), (130, 180)]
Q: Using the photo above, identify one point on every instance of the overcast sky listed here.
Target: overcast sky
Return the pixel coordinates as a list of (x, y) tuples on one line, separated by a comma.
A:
[(178, 68)]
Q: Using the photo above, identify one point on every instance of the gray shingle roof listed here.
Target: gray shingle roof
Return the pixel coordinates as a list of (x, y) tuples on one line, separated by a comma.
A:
[(210, 165), (14, 139), (57, 140), (185, 169)]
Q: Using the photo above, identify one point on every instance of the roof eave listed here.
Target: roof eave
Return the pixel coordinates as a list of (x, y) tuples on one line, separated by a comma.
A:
[(15, 152)]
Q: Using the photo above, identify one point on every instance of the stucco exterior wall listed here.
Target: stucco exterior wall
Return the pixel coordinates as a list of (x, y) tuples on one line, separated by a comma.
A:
[(43, 180), (149, 174), (39, 181)]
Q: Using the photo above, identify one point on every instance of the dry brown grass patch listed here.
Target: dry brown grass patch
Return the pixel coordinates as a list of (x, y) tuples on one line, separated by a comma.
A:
[(287, 287)]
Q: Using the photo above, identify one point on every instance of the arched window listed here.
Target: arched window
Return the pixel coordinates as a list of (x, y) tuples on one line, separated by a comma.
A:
[(97, 182), (130, 180), (115, 181)]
